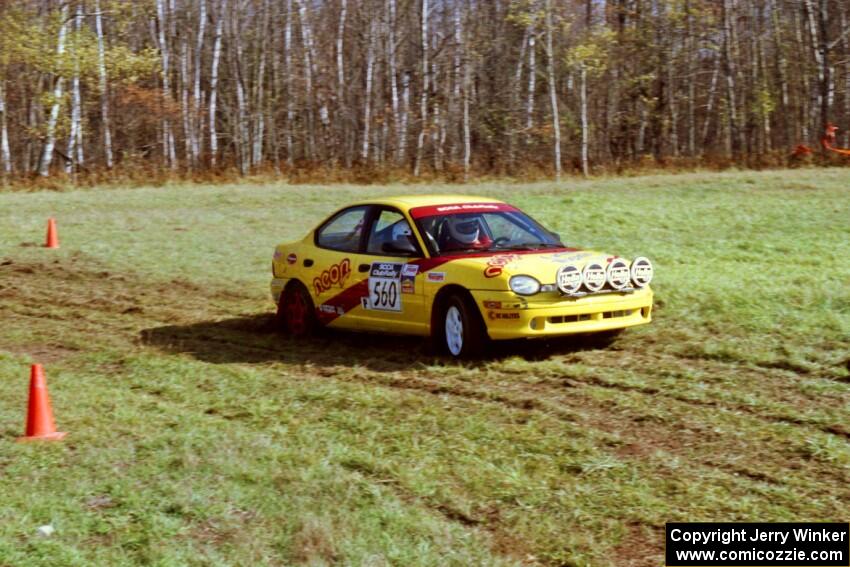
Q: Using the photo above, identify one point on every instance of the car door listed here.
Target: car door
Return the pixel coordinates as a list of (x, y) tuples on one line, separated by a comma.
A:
[(334, 270), (395, 300)]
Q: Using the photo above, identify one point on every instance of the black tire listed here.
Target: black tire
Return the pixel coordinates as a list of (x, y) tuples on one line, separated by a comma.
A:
[(472, 340), (296, 312)]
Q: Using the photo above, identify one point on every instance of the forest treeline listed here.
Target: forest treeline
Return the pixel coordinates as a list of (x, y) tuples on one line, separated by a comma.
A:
[(430, 87)]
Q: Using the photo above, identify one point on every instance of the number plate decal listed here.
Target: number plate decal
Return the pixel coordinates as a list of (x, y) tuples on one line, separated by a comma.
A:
[(384, 287)]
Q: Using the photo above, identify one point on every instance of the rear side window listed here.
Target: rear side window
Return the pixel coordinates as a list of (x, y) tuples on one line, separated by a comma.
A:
[(391, 228), (343, 231)]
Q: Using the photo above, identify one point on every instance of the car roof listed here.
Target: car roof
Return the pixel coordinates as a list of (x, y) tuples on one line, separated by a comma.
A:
[(407, 202)]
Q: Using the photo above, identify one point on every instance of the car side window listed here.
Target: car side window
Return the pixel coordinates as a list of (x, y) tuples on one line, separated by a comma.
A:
[(343, 231), (391, 235)]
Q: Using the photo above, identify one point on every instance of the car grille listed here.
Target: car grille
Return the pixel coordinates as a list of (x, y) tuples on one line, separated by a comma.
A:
[(560, 319)]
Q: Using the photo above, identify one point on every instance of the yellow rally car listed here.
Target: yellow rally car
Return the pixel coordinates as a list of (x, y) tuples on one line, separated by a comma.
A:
[(459, 269)]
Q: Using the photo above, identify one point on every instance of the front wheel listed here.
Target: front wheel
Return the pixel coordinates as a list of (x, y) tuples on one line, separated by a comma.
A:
[(461, 329)]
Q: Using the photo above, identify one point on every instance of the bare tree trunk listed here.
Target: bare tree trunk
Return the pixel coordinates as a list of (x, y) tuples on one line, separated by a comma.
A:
[(458, 76), (709, 107), (167, 134), (553, 93), (692, 79), (309, 62), (532, 77), (196, 122), (674, 109), (516, 94), (405, 116), (75, 136), (104, 93), (437, 131), (290, 102), (845, 40), (729, 70), (818, 20), (781, 71), (340, 76), (184, 102), (393, 71), (241, 130), (5, 153), (50, 132), (585, 126), (467, 137), (423, 96), (367, 105), (216, 56)]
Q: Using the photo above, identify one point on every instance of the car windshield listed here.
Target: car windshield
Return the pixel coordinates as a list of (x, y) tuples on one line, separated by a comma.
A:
[(480, 227)]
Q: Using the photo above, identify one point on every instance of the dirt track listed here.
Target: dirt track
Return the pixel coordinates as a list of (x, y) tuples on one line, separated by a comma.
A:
[(71, 306)]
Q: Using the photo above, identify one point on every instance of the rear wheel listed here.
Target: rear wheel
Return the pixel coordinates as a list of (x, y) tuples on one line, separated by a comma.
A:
[(461, 331), (296, 311)]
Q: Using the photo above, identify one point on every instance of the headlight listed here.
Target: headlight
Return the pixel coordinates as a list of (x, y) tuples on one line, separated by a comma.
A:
[(524, 285), (569, 279), (641, 271), (593, 276), (618, 274)]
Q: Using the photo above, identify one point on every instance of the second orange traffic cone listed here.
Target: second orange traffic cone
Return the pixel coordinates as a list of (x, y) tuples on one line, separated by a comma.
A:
[(52, 234), (40, 424)]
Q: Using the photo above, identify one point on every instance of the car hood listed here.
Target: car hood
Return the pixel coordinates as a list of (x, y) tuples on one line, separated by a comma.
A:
[(494, 268)]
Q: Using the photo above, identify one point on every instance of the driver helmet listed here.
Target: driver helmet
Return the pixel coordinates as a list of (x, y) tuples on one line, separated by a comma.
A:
[(402, 231), (464, 228)]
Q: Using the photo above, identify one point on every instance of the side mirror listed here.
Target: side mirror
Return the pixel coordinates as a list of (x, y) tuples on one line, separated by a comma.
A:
[(555, 235), (400, 246)]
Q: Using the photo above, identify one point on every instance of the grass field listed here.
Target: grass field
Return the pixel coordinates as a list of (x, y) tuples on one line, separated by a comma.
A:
[(200, 436)]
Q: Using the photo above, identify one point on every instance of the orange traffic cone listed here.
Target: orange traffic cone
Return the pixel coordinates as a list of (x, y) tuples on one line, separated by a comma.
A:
[(52, 234), (40, 425)]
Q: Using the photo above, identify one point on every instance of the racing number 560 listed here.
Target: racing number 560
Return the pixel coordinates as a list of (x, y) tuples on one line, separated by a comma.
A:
[(386, 294)]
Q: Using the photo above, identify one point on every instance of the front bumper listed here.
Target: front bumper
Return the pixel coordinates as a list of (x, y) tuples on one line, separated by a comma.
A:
[(511, 316)]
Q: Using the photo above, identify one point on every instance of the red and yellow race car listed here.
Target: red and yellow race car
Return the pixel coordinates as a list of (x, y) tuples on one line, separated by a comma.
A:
[(462, 270)]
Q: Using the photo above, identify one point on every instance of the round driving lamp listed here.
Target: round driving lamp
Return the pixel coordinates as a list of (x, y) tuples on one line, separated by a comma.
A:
[(618, 274), (569, 279), (641, 271), (593, 276)]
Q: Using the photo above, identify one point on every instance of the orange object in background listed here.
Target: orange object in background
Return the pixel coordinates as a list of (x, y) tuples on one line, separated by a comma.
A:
[(40, 424), (828, 139), (52, 234)]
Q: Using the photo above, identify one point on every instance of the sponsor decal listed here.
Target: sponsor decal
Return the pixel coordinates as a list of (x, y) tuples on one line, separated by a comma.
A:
[(328, 309), (435, 277), (385, 270), (429, 211), (384, 287), (566, 257), (496, 264), (569, 279), (495, 315), (335, 275), (291, 259), (408, 278), (492, 304), (409, 270)]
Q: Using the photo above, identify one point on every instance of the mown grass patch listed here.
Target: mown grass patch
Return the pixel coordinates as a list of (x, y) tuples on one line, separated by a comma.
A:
[(200, 436)]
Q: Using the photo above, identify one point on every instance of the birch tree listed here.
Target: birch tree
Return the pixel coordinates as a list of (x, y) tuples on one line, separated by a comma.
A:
[(50, 130)]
